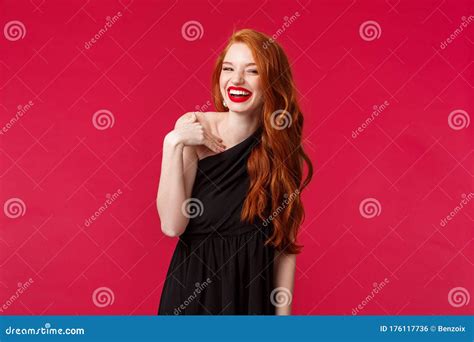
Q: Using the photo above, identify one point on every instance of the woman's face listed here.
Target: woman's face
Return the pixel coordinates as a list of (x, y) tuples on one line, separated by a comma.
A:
[(240, 80)]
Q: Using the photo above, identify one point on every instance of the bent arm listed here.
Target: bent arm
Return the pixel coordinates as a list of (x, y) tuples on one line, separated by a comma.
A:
[(284, 275), (178, 171)]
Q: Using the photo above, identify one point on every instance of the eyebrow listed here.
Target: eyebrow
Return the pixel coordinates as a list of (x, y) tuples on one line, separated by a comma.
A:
[(248, 64)]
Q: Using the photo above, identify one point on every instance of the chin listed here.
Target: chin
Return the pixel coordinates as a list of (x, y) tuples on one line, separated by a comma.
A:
[(240, 109)]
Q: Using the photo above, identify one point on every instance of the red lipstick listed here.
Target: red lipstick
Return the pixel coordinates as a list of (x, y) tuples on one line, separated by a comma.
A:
[(238, 94)]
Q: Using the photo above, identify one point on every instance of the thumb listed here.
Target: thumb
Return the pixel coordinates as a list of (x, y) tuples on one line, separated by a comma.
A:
[(193, 117)]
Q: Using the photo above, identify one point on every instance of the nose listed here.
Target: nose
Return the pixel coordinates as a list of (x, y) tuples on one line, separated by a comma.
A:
[(238, 78)]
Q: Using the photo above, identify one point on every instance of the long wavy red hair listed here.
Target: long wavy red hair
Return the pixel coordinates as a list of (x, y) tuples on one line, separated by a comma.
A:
[(275, 165)]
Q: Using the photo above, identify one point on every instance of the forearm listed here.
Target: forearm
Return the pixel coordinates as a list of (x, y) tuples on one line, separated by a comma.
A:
[(171, 190), (284, 275)]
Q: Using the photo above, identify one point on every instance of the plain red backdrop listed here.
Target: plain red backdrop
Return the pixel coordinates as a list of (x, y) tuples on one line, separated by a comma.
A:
[(146, 74)]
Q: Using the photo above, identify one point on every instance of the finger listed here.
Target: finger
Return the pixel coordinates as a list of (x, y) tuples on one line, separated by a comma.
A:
[(196, 126), (193, 117), (212, 146), (214, 139), (216, 147)]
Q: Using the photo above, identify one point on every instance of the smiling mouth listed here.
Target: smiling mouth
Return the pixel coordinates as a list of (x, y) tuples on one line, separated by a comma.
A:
[(238, 94)]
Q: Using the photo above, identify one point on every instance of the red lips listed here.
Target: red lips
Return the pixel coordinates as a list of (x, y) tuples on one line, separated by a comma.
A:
[(238, 94)]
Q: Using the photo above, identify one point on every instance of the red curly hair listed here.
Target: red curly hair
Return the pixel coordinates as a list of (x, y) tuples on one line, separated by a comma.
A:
[(275, 166)]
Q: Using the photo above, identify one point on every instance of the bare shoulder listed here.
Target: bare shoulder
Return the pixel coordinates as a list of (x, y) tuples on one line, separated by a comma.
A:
[(210, 121), (212, 118), (203, 117), (183, 119)]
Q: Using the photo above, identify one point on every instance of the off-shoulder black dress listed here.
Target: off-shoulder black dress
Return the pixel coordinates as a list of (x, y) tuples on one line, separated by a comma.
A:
[(220, 265)]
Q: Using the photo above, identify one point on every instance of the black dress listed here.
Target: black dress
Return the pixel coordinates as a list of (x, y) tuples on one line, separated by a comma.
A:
[(220, 265)]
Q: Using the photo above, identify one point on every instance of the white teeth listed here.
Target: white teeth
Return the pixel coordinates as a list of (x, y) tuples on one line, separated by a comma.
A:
[(238, 92)]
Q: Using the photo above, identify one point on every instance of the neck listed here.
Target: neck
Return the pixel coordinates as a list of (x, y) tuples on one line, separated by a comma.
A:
[(240, 125)]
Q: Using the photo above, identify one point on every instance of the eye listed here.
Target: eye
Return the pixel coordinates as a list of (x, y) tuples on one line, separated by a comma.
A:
[(253, 71), (227, 69)]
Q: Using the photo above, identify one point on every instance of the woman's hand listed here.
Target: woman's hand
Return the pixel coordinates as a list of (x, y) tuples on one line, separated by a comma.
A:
[(284, 280), (190, 132)]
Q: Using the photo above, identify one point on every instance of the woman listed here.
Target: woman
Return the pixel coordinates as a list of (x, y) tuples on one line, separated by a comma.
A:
[(230, 185)]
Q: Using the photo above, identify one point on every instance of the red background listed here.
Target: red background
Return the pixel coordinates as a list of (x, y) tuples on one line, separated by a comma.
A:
[(145, 73)]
